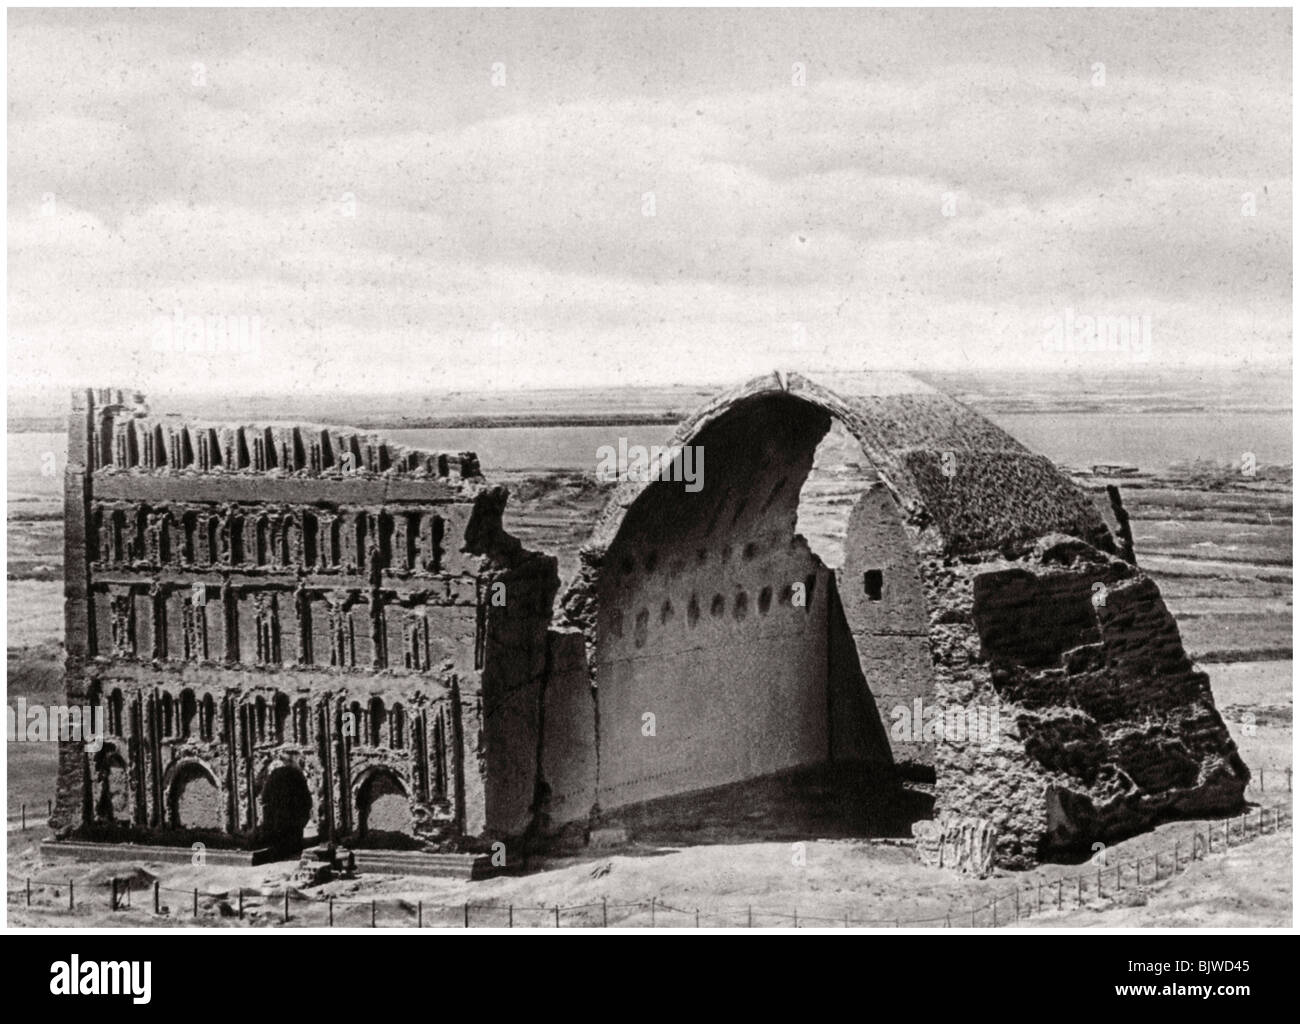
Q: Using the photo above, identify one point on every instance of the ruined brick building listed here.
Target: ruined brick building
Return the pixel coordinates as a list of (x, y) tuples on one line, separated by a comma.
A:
[(299, 628)]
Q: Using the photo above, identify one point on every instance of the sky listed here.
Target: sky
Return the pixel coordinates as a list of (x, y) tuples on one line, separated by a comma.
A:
[(401, 201)]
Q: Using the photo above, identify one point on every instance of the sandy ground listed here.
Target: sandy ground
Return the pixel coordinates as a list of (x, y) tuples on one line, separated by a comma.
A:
[(1249, 887), (872, 882), (818, 883)]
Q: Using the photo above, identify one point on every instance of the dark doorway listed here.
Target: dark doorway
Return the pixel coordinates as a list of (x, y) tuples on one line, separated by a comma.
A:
[(286, 809)]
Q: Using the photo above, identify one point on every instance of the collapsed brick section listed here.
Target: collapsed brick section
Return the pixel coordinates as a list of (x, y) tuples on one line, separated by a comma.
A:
[(1106, 726)]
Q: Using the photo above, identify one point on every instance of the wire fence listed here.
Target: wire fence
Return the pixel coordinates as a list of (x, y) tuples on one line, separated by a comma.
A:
[(22, 813), (1259, 779), (1103, 879)]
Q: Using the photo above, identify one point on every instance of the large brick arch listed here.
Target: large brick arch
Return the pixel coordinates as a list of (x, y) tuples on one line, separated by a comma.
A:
[(957, 502), (716, 617), (709, 621)]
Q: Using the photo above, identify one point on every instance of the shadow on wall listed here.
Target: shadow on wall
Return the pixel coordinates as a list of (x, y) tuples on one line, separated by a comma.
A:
[(826, 801)]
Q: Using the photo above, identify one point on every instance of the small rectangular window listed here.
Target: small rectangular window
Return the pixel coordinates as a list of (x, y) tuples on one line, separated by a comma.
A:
[(873, 581)]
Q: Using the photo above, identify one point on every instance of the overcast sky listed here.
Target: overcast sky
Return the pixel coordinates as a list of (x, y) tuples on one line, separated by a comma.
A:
[(398, 221)]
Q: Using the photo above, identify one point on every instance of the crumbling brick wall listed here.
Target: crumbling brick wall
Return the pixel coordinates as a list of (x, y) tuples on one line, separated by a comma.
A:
[(246, 599), (886, 618), (1106, 726)]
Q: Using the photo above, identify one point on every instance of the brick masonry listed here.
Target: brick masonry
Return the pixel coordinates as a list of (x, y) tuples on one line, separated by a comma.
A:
[(298, 628)]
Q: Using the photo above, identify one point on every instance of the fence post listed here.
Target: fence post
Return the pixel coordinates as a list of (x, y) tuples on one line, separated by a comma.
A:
[(49, 808), (196, 901), (29, 892), (374, 913), (241, 902), (697, 917), (995, 911), (157, 907), (1078, 895), (557, 915), (24, 813), (796, 917), (467, 913), (1262, 787), (1060, 884), (652, 911), (113, 899), (510, 919), (419, 913), (128, 894), (331, 911), (604, 912), (286, 906), (1175, 857)]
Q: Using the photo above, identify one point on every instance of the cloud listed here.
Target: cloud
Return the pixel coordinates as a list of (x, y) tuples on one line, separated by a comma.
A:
[(362, 187)]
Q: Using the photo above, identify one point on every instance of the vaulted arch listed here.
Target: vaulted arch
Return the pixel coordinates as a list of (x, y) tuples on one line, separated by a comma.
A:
[(194, 797)]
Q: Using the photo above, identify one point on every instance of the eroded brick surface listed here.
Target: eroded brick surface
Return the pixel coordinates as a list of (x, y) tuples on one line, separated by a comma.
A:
[(297, 629), (290, 628)]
